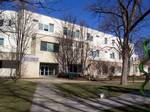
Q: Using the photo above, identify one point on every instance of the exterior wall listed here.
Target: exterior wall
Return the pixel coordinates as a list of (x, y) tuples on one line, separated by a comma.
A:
[(36, 56)]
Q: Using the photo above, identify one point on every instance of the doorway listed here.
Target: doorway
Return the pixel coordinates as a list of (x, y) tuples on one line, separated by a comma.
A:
[(47, 69)]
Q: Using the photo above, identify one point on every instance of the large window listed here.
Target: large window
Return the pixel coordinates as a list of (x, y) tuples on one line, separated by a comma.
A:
[(94, 53), (46, 27), (68, 32), (51, 27), (51, 47), (1, 41), (65, 31), (105, 41), (40, 26), (112, 55), (89, 37), (113, 42), (77, 34)]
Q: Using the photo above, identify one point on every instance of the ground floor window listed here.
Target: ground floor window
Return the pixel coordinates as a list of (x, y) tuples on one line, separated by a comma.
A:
[(75, 68), (7, 64), (48, 69)]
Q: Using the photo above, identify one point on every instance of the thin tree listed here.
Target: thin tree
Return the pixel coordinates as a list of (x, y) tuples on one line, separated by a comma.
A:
[(123, 17), (22, 29), (68, 47)]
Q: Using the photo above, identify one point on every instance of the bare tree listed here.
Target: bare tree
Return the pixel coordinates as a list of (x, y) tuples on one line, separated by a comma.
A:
[(22, 29), (85, 47), (123, 17), (68, 47)]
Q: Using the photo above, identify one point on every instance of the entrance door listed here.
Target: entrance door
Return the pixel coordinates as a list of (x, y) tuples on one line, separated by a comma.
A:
[(47, 69)]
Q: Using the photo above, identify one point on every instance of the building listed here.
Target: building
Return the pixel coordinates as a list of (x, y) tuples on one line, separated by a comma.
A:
[(40, 59)]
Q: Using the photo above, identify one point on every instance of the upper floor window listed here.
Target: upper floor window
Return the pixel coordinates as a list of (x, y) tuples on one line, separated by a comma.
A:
[(1, 41), (105, 41), (51, 27), (46, 27), (113, 42), (77, 34), (94, 53), (65, 30), (89, 37), (51, 47), (10, 23), (112, 55), (40, 26), (1, 22), (35, 20)]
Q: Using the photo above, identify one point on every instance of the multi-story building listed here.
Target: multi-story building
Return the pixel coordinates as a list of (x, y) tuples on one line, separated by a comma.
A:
[(40, 59)]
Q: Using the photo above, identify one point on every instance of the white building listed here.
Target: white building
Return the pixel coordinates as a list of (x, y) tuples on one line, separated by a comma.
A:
[(40, 60)]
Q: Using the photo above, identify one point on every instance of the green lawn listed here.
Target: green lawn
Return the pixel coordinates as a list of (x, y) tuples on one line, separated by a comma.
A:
[(16, 97), (92, 90)]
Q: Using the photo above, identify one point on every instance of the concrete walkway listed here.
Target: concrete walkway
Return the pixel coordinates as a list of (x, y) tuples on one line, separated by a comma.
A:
[(48, 99)]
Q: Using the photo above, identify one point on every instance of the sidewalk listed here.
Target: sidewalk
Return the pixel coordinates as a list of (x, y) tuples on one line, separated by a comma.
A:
[(48, 99)]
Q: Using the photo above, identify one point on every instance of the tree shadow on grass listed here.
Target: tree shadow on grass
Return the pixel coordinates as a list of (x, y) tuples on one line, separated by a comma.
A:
[(73, 102)]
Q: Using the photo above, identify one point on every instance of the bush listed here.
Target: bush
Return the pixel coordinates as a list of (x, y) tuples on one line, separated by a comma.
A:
[(69, 75)]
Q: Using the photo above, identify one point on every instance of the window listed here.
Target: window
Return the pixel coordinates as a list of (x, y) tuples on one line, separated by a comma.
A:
[(1, 22), (65, 31), (10, 23), (97, 36), (1, 41), (94, 53), (112, 55), (35, 20), (51, 47), (113, 42), (51, 27), (89, 37), (40, 26), (105, 41), (77, 34), (45, 27)]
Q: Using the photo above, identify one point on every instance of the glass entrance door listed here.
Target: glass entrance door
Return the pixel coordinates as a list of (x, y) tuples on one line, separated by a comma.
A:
[(47, 69)]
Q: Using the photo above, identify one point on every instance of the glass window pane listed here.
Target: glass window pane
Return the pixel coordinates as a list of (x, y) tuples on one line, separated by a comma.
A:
[(56, 47), (105, 40), (50, 47), (1, 41), (77, 33), (65, 31), (45, 27), (43, 46), (51, 27), (40, 26)]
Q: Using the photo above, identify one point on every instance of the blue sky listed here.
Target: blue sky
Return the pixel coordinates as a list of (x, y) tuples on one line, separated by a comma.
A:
[(78, 9)]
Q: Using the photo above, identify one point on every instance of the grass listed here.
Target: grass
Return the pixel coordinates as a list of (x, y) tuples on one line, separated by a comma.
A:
[(131, 108), (93, 90), (16, 97)]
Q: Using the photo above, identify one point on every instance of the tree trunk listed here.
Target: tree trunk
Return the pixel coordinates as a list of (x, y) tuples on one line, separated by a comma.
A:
[(125, 70)]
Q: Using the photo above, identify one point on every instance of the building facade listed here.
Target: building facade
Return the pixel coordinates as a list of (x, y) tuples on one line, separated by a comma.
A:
[(40, 59)]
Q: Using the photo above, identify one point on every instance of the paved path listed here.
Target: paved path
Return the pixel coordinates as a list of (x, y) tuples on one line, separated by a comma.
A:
[(48, 99)]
